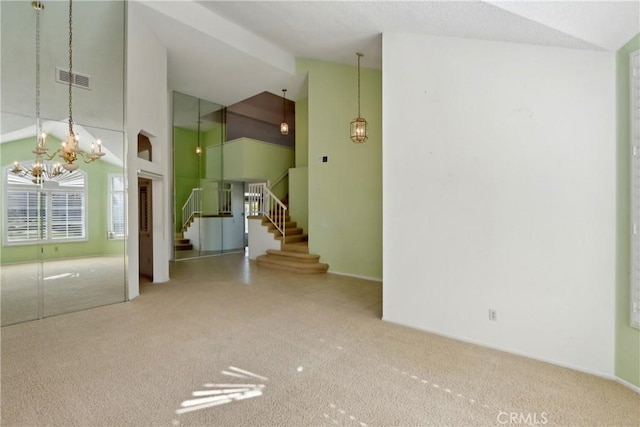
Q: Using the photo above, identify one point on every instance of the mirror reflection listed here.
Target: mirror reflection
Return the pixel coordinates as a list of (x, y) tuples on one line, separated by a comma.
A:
[(63, 231), (217, 152), (209, 210)]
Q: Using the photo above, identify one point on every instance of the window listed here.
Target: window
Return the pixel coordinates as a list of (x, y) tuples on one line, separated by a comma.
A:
[(117, 218), (635, 188), (52, 212), (25, 213)]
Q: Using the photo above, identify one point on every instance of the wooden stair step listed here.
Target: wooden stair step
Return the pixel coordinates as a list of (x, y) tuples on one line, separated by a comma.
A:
[(270, 225), (294, 256), (301, 247), (275, 213), (298, 267), (294, 253), (266, 220), (293, 238), (182, 241), (184, 247), (287, 231), (287, 224)]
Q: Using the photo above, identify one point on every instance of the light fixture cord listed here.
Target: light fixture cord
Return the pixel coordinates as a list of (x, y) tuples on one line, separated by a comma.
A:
[(199, 122), (359, 55), (70, 66), (284, 96), (38, 126)]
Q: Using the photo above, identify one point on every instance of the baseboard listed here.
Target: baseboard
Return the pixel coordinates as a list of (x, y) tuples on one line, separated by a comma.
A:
[(357, 276), (516, 353), (627, 384)]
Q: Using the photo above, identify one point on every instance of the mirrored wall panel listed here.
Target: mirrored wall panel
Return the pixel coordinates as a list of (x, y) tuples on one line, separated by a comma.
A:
[(209, 209), (62, 205)]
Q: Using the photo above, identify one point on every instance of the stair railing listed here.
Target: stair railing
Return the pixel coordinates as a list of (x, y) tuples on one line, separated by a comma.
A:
[(224, 201), (263, 202), (274, 182), (194, 206), (191, 207)]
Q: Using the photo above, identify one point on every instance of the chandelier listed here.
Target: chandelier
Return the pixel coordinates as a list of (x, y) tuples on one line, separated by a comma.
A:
[(359, 124), (38, 170), (70, 150), (284, 126)]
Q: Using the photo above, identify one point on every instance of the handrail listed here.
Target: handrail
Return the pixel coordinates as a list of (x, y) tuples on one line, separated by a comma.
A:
[(191, 207), (276, 181), (263, 202), (194, 206)]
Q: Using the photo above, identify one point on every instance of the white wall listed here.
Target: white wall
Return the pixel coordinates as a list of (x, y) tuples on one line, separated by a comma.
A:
[(147, 111), (499, 192), (260, 240)]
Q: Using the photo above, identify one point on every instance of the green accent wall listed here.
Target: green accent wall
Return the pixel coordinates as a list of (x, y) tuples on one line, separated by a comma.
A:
[(249, 160), (212, 138), (345, 193), (302, 132), (627, 352), (97, 211), (299, 176), (186, 168), (190, 169), (299, 196)]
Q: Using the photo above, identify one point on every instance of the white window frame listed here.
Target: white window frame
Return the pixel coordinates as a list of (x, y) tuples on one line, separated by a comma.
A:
[(111, 233), (47, 190), (634, 85)]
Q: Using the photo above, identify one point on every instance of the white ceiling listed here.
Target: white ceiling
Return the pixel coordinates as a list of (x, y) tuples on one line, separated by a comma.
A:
[(226, 51)]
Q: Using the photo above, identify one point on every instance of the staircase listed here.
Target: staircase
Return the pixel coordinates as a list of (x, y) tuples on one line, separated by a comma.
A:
[(294, 253), (182, 244)]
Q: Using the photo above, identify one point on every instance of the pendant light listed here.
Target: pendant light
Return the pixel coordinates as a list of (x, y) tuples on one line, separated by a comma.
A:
[(198, 147), (359, 124), (284, 126), (70, 150), (38, 170)]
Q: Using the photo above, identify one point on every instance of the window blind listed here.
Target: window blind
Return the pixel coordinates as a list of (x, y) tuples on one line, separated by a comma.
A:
[(67, 216), (54, 211), (26, 216), (117, 218)]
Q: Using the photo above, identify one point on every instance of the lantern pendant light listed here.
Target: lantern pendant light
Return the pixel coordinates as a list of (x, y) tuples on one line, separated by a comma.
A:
[(359, 124)]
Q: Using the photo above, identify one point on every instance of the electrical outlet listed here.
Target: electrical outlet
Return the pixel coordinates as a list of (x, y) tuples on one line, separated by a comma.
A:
[(493, 315)]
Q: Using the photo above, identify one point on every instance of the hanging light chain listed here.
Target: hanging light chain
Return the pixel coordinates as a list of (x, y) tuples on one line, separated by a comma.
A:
[(70, 67), (37, 6), (359, 124), (359, 56), (284, 96)]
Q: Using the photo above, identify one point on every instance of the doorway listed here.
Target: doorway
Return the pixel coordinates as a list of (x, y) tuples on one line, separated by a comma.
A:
[(145, 228)]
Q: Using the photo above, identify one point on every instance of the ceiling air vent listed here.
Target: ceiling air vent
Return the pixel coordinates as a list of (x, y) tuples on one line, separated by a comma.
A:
[(77, 79)]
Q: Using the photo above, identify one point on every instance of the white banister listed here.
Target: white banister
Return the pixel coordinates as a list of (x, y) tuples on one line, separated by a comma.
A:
[(263, 202), (191, 207), (224, 201), (202, 202)]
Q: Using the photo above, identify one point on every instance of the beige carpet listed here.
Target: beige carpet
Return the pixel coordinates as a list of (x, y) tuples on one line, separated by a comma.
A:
[(68, 286), (228, 343)]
